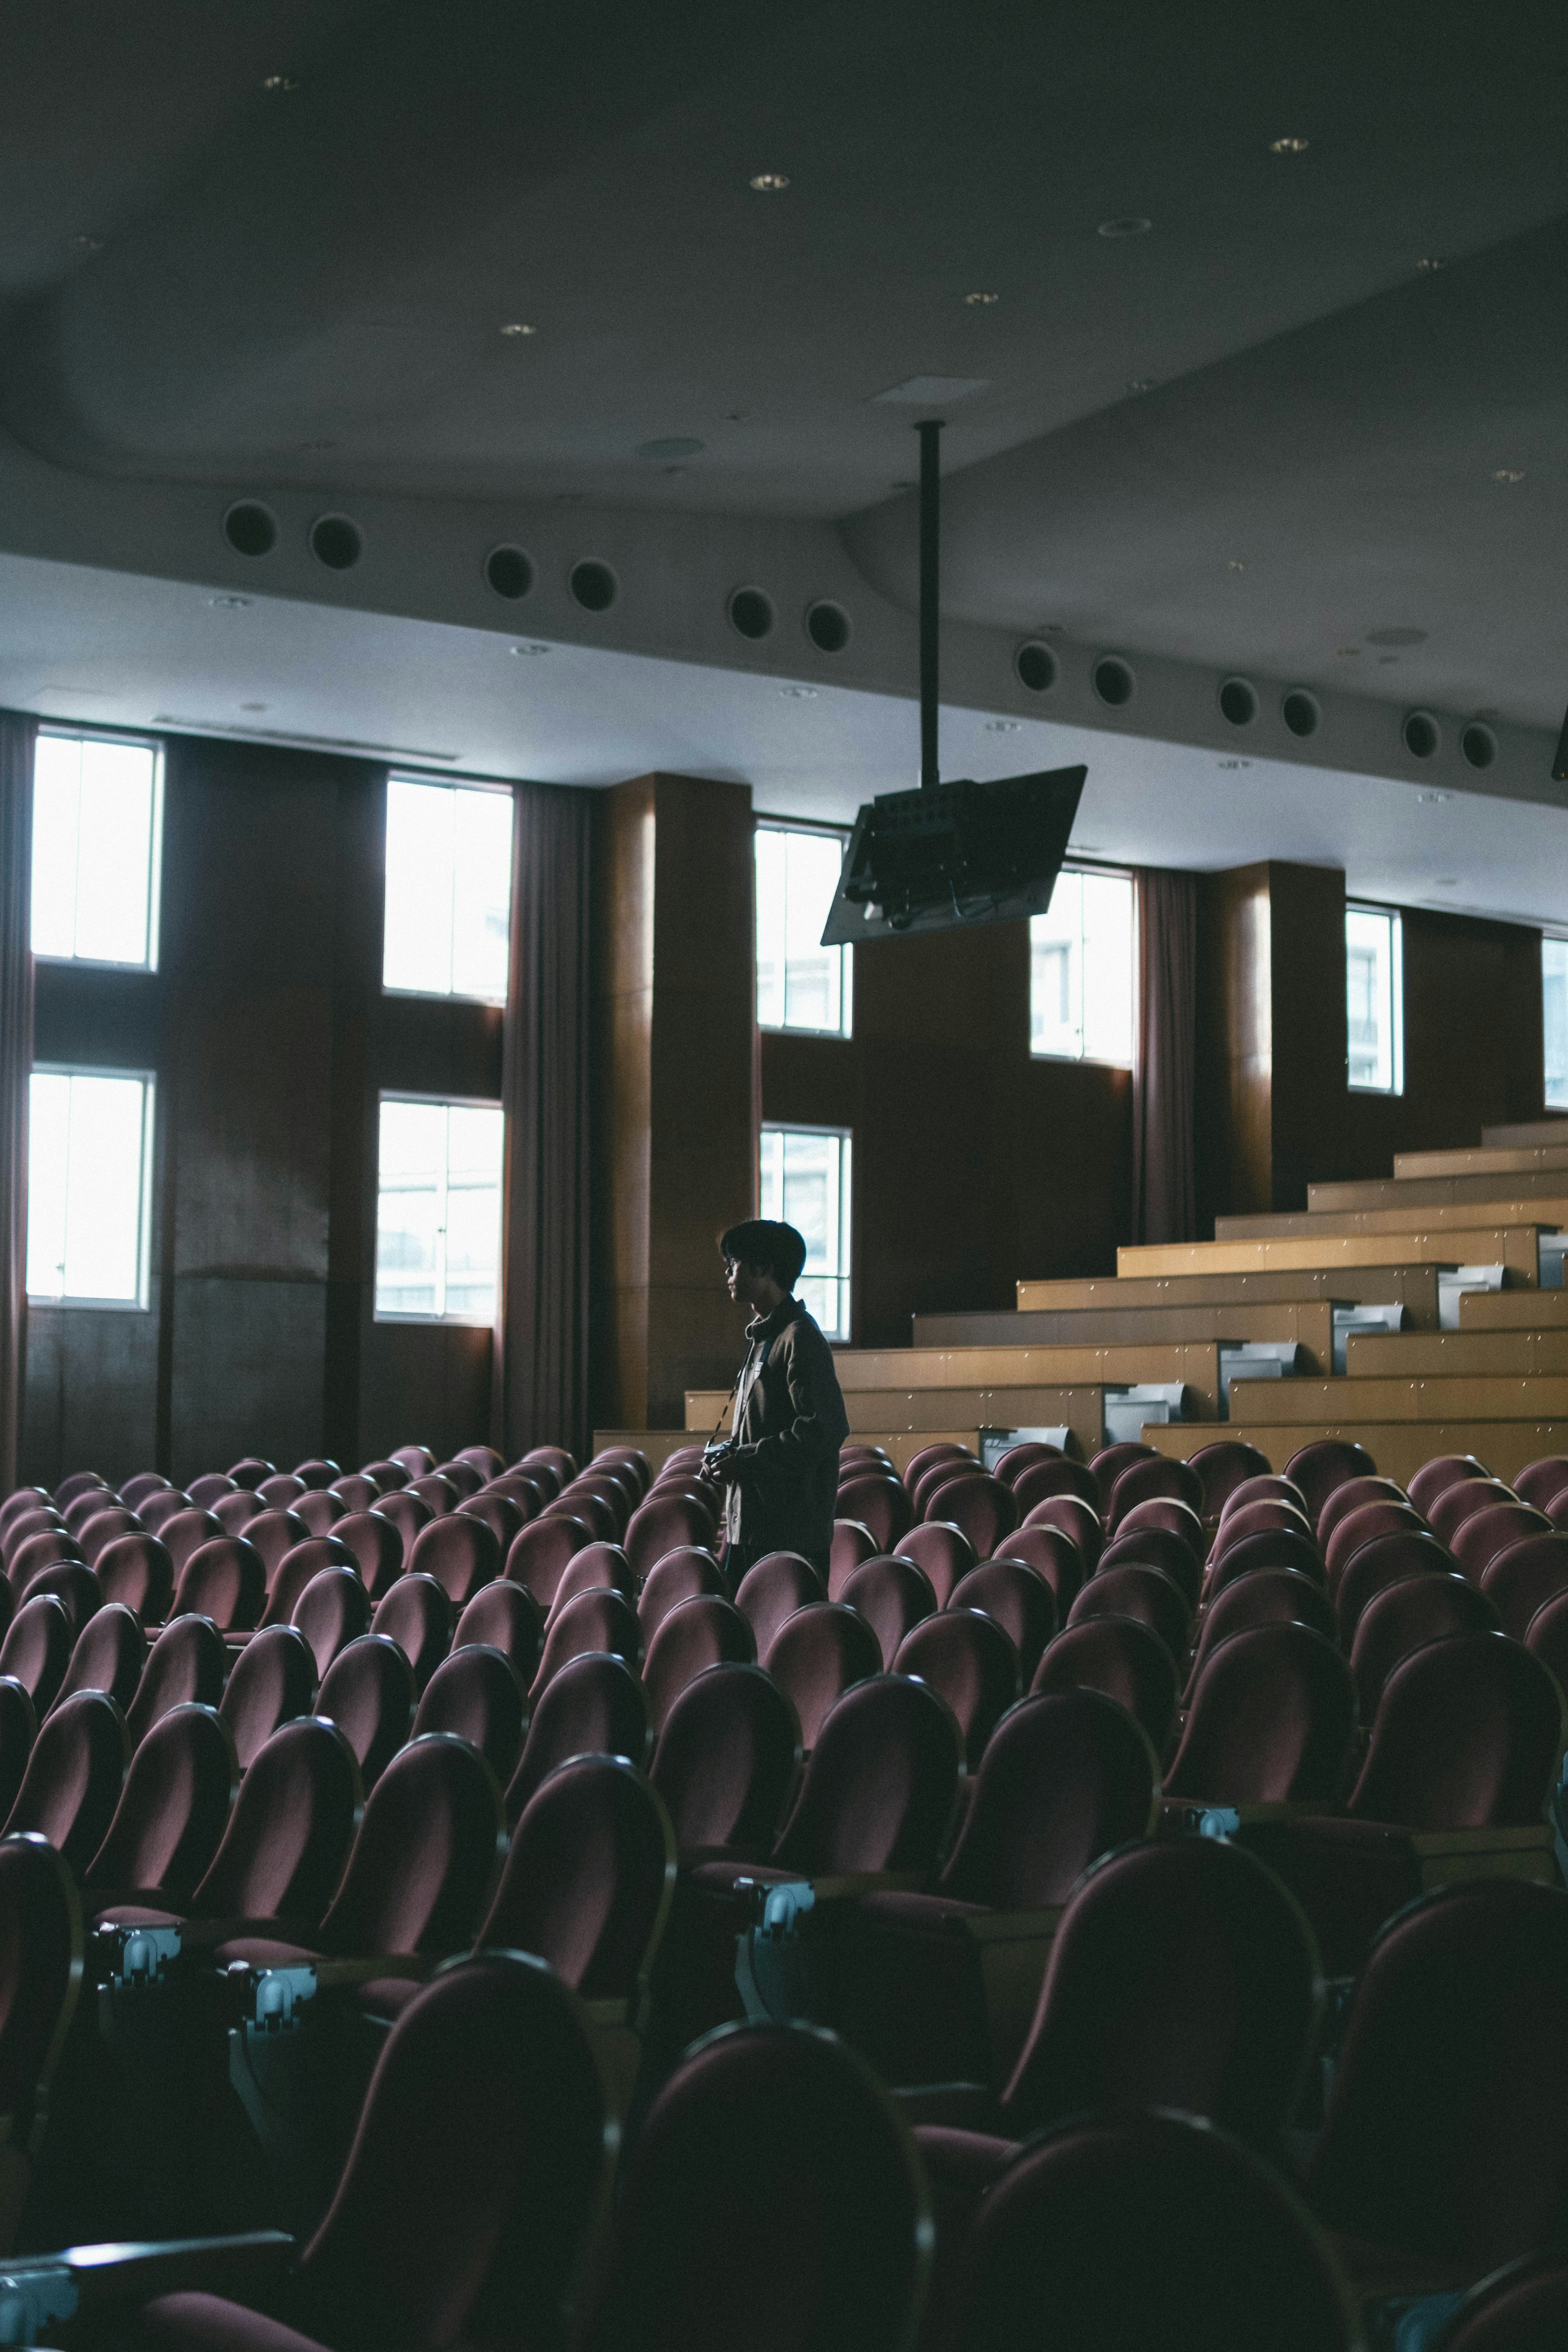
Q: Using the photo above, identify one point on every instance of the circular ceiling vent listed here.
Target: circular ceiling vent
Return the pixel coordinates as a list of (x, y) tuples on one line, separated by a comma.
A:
[(827, 625), (508, 571), (250, 528), (1423, 736), (751, 613), (336, 541), (594, 585), (1036, 667), (1238, 701), (1302, 711), (1113, 681), (1478, 744)]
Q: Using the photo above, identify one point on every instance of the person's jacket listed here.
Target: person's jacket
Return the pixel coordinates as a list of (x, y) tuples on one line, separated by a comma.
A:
[(789, 1424)]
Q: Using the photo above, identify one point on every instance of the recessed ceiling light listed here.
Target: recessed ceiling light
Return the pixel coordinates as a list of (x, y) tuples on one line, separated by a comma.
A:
[(1233, 763), (1234, 564), (88, 244), (229, 604), (1433, 261), (1003, 727), (1139, 383), (516, 327), (1288, 146), (770, 183), (981, 302), (1133, 226), (523, 651), (1508, 474), (798, 693), (1430, 800), (280, 82)]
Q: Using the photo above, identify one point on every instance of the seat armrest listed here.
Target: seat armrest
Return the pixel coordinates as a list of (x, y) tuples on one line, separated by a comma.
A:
[(960, 2106), (40, 2289)]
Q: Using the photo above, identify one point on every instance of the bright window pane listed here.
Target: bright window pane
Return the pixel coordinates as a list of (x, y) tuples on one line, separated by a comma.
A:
[(805, 1184), (1374, 1000), (800, 983), (1554, 1019), (1081, 955), (97, 828), (437, 1247), (87, 1174), (449, 890)]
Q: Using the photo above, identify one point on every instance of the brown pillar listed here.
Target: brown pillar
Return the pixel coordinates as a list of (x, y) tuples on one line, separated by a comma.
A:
[(675, 966)]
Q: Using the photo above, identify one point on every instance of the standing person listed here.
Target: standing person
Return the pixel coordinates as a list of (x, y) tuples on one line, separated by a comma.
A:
[(780, 1468)]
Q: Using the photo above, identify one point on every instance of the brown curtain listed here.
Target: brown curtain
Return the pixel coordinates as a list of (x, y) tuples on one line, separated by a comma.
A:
[(18, 734), (542, 1339), (1164, 1188)]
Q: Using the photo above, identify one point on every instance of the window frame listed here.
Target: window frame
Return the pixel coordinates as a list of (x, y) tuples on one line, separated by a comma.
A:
[(846, 1030), (1093, 1061), (845, 1137), (1395, 918), (440, 1102), (58, 731), (436, 782), (148, 1079)]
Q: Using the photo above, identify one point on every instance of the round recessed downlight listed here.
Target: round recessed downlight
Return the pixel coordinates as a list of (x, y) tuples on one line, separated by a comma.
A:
[(770, 183), (798, 693), (594, 585), (1113, 681), (1140, 383), (751, 613), (250, 528), (336, 541), (1422, 734), (1036, 667), (1134, 224), (518, 327), (508, 571), (526, 652), (1478, 744), (1288, 146), (1508, 474), (1238, 701), (229, 604), (827, 625), (280, 84), (678, 446), (1300, 711), (1003, 725), (982, 301)]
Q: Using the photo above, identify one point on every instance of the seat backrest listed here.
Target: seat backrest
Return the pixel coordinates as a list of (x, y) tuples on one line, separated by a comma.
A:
[(1155, 1547), (983, 1508), (369, 1693), (814, 1657), (427, 1855), (282, 1490), (358, 1492), (1010, 1467), (590, 1878), (1158, 1475), (504, 1517), (1020, 1600), (1462, 1500), (505, 1616), (466, 1476), (136, 1570), (248, 1472), (34, 1555), (37, 1649), (1146, 1593), (772, 2174), (332, 1611), (942, 1553), (1447, 2134), (74, 1777), (1052, 1553), (681, 1575), (1517, 1580), (316, 1473), (973, 1663), (599, 1620), (1325, 1464), (1264, 1487), (780, 1584), (1487, 1535), (224, 1578), (663, 1524), (1261, 1517), (703, 1631), (539, 1555), (1065, 1778), (273, 1533), (460, 1552), (879, 1500), (1221, 1468), (593, 1706), (40, 1972), (597, 1568), (186, 1665), (1404, 1616), (1107, 1465), (73, 1584), (211, 1486), (108, 1655), (293, 1572), (1124, 1658), (1351, 1497), (409, 1513), (1046, 1480), (18, 1730), (892, 1595), (1182, 1975), (945, 1449), (322, 1507), (1445, 1470), (1057, 2232), (881, 1784), (185, 1531), (417, 1614), (1541, 1482), (1385, 1560), (726, 1762), (1467, 1735), (1272, 1548), (1385, 1517), (283, 1853), (376, 1546), (477, 1694), (102, 1527), (1271, 1719), (480, 2167), (272, 1680), (1273, 1596), (173, 1810)]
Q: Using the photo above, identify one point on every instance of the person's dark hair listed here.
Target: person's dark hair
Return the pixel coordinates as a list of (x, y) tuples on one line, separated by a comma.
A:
[(766, 1248)]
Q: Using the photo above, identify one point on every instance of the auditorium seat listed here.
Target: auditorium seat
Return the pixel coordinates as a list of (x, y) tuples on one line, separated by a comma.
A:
[(1145, 1593), (527, 1495), (924, 1456), (1023, 1456), (477, 1693), (273, 1534), (1462, 1501), (34, 1555), (134, 1491), (415, 1459), (172, 1812), (1221, 1468), (1051, 1552), (460, 1553), (1272, 1596), (556, 1459), (437, 1494), (850, 1544), (222, 1577), (369, 1693), (1541, 1481), (137, 1571), (417, 1614), (1387, 1559), (942, 1553), (1106, 1466), (210, 1486), (332, 1611), (1317, 1468), (1141, 1481), (272, 1681), (1020, 1600), (664, 1523), (1486, 1535), (983, 1509), (73, 1584), (1161, 1548), (880, 1501), (316, 1474), (506, 1617), (374, 1544), (681, 1575), (892, 1595), (816, 1655), (185, 1665), (1173, 1517), (726, 1762), (1046, 1479), (970, 1661), (597, 1568), (1444, 1470), (79, 1482), (592, 1620), (1103, 2235), (407, 1512), (1274, 1548), (108, 1654), (320, 1508), (74, 1777), (1351, 1497), (1263, 1515), (100, 1529), (37, 1649), (1074, 1518), (93, 1503), (780, 1584), (1369, 1523), (593, 1706), (503, 1516), (706, 1630), (281, 1491), (1271, 1721), (248, 1472), (539, 1555), (1404, 1616), (466, 1477), (184, 1530), (295, 1570), (1519, 1578), (1127, 1661), (18, 1730), (40, 1979)]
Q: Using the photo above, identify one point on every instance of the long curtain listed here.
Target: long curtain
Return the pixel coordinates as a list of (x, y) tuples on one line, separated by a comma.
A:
[(1164, 1186), (19, 735), (542, 1339)]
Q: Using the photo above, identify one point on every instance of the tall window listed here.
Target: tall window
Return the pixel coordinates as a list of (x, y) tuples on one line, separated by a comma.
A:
[(89, 1187), (1374, 1000), (1554, 1019), (1081, 960), (805, 1184), (800, 983), (449, 890), (438, 1236), (98, 827)]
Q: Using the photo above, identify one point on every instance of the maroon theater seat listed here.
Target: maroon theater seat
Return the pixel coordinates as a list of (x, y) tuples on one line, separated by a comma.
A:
[(663, 1524), (94, 1503), (593, 1706), (108, 1655), (505, 1617), (599, 1620), (780, 1584), (982, 1508), (407, 1512), (135, 1491), (1107, 1465), (1541, 1482), (850, 1544), (1141, 1481), (374, 1544), (1461, 1501), (556, 1458), (185, 1666), (503, 1516), (920, 1461), (389, 1475), (416, 1459), (274, 1534), (437, 1494), (29, 1498), (1053, 2237), (296, 1569), (893, 1596), (1387, 1559), (461, 1554), (234, 1512), (477, 1693), (1262, 1516), (316, 1474), (1519, 1580), (1523, 2308), (1024, 1456), (369, 1694), (605, 1520), (357, 1492), (816, 1655), (224, 1578), (1271, 1720), (942, 1552), (1404, 1616), (1324, 1465), (205, 1490), (703, 1631), (1485, 1536), (1159, 1547), (18, 1730), (332, 1611), (970, 1661), (35, 1554), (627, 1457), (1274, 1596), (1275, 1548), (249, 1472), (40, 1979), (171, 1814), (417, 1614), (322, 1507), (103, 1529), (527, 1495), (137, 1571), (680, 1575), (1047, 1480), (280, 1492), (1021, 1602), (37, 1647), (880, 1786), (272, 1681), (1053, 1555), (1547, 1637), (74, 1777), (1467, 1734), (79, 1481), (464, 1477), (1145, 1593), (1178, 1519), (1074, 1518), (881, 1504), (1222, 1468), (73, 1584), (1121, 1657), (1445, 1470), (485, 1459), (597, 1568), (539, 1556), (288, 1840), (726, 1762), (185, 1531), (1351, 1497)]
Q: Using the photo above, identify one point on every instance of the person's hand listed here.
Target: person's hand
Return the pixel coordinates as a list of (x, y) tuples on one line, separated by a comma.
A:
[(719, 1466)]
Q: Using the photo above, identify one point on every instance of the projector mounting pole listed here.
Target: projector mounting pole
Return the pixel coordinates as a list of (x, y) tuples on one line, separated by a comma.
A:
[(930, 561)]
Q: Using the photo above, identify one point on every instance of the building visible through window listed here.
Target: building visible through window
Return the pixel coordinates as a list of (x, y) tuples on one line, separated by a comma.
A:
[(801, 984), (1082, 952), (438, 1218), (1374, 1000), (98, 810), (449, 890), (805, 1184), (1555, 1020), (89, 1171)]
